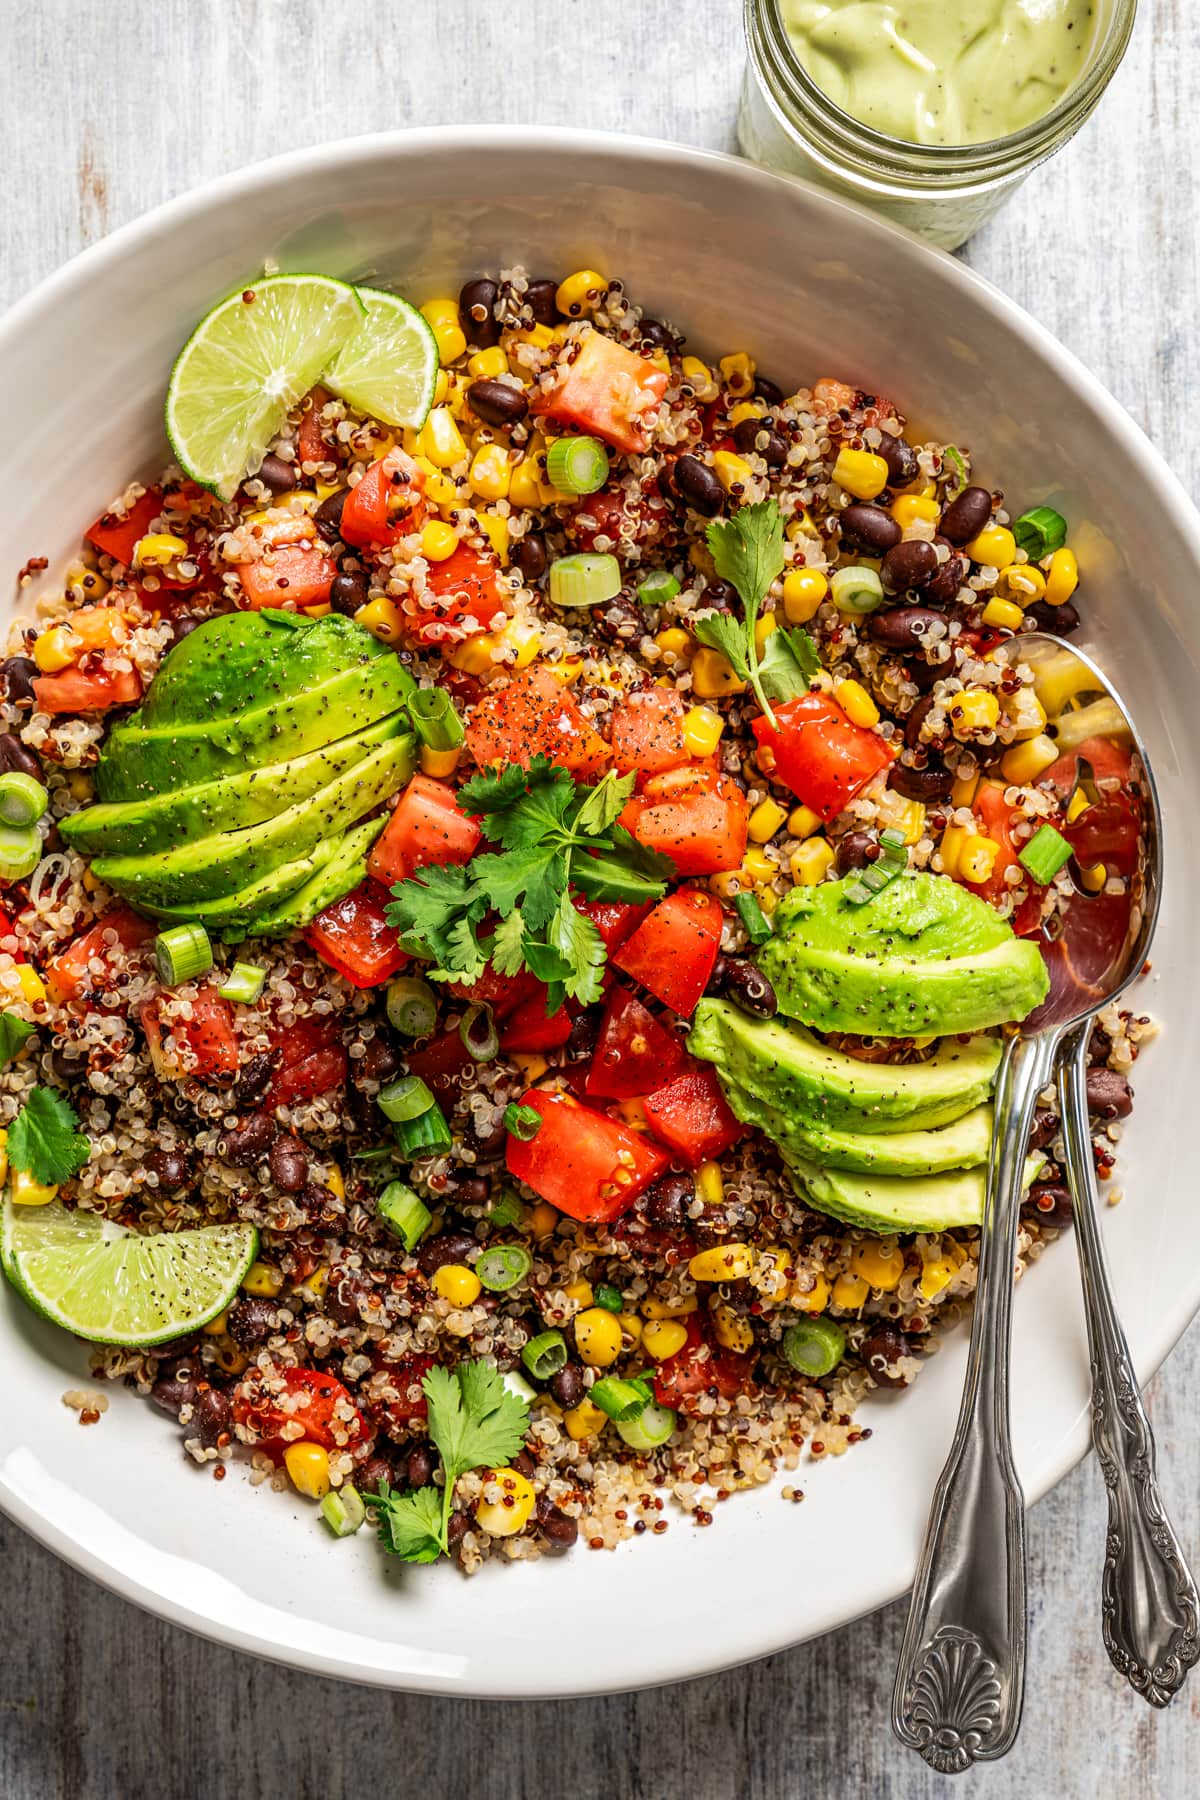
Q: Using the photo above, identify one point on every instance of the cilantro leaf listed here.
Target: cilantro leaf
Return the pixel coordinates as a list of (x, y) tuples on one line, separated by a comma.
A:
[(579, 943), (506, 946), (426, 911), (43, 1139), (721, 631), (13, 1034), (789, 662), (492, 789), (474, 1420), (604, 805), (410, 1525), (747, 549)]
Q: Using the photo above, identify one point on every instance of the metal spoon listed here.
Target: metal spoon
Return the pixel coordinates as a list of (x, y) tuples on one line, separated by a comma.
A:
[(960, 1680)]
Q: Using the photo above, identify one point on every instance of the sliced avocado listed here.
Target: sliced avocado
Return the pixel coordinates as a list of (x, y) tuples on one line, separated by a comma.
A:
[(133, 826), (895, 1202), (245, 659), (232, 915), (212, 867), (341, 872), (774, 1071), (963, 1144), (922, 958)]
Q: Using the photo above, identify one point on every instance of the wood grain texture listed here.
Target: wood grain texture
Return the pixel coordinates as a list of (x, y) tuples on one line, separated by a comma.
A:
[(109, 107)]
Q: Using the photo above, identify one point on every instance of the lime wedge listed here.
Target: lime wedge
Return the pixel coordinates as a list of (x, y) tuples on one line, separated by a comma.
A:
[(389, 368), (247, 362), (115, 1286)]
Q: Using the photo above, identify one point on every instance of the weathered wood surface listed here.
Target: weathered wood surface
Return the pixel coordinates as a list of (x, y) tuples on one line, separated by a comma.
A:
[(109, 107)]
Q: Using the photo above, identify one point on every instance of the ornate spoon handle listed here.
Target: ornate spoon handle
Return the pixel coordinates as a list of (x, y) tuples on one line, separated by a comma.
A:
[(1151, 1612), (961, 1676)]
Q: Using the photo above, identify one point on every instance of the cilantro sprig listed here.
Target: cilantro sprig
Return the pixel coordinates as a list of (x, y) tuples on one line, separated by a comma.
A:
[(44, 1139), (747, 549), (553, 837), (14, 1032), (475, 1422)]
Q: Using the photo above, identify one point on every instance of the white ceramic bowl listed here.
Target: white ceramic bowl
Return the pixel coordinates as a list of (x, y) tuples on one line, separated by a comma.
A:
[(740, 259)]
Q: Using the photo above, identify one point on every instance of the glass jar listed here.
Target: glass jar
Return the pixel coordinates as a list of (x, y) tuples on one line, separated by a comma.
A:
[(944, 192)]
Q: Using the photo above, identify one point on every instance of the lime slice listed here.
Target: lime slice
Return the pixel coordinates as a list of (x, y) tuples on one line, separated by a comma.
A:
[(247, 362), (389, 368), (115, 1286)]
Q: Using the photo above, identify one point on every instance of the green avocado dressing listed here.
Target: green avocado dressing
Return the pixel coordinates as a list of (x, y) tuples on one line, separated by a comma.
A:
[(943, 71)]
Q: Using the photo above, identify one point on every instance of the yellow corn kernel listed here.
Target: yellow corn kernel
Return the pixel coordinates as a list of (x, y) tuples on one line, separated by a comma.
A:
[(954, 841), (937, 1274), (746, 409), (731, 1330), (264, 1280), (308, 1469), (524, 488), (33, 988), (765, 626), (1092, 878), (581, 293), (803, 592), (316, 1283), (816, 1299), (699, 377), (441, 440), (702, 728), (580, 1290), (1004, 614), (83, 583), (803, 821), (731, 470), (881, 1264), (1025, 762), (767, 899), (800, 525), (490, 473), (476, 655), (856, 703), (710, 1183), (506, 1504), (713, 675), (438, 541), (56, 649), (217, 1327), (811, 862), (977, 859), (663, 1338), (457, 1283), (738, 372), (23, 1190), (541, 1220), (994, 548), (584, 1421), (444, 321), (531, 1063), (1024, 581), (598, 1337), (850, 1291), (765, 821), (1077, 804), (674, 641), (485, 365), (669, 1309), (438, 763), (523, 637), (631, 1330), (567, 673), (158, 549), (3, 1155), (975, 709), (382, 618), (908, 509), (757, 865), (700, 557), (964, 790), (1063, 577), (440, 489), (861, 473), (724, 1262), (496, 531), (726, 886)]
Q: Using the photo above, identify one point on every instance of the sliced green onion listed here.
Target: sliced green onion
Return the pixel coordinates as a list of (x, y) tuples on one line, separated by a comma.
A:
[(507, 1211), (343, 1511), (621, 1400), (545, 1355), (1040, 532), (958, 462), (657, 588), (757, 925), (22, 800), (515, 1383), (814, 1346), (437, 722), (243, 984), (856, 590), (609, 1297), (480, 1039), (522, 1122), (502, 1265), (892, 861), (585, 579), (181, 953), (405, 1098), (404, 1213), (426, 1135), (577, 465), (20, 852), (411, 1006), (647, 1429), (1045, 854)]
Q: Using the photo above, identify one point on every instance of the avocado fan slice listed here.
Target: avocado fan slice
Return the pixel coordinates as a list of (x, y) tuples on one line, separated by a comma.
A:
[(230, 916), (886, 1203), (338, 875), (963, 1144)]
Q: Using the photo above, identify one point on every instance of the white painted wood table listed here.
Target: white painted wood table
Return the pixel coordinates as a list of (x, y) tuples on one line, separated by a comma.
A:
[(108, 108)]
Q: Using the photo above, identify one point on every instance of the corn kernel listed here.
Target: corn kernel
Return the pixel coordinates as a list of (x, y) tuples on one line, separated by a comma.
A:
[(811, 862), (977, 859), (580, 1291), (801, 525), (541, 1220), (663, 1338), (803, 821), (264, 1280), (23, 1190), (631, 1330), (850, 1291), (767, 899), (524, 639), (758, 867), (443, 319), (524, 487), (699, 377), (702, 728), (710, 1183), (731, 1330), (1093, 878), (504, 1512), (440, 489), (457, 1283), (56, 649), (713, 675), (816, 1299), (908, 509), (317, 1282), (485, 365), (1025, 762), (856, 703), (382, 618), (158, 549), (33, 988), (308, 1469), (438, 763), (993, 548), (700, 557), (724, 1262), (581, 293), (731, 470), (674, 641), (975, 709), (673, 1309), (937, 1274), (83, 583), (765, 626), (765, 821), (598, 1337), (531, 1063), (727, 885), (441, 440), (746, 409), (803, 592), (954, 841), (567, 673), (496, 531), (490, 473), (217, 1327), (861, 473), (881, 1264), (1024, 582), (1003, 614), (584, 1421), (964, 790), (738, 372), (438, 541), (476, 655), (1063, 577)]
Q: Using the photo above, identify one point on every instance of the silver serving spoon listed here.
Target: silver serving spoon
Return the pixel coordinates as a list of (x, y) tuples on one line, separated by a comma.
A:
[(961, 1674)]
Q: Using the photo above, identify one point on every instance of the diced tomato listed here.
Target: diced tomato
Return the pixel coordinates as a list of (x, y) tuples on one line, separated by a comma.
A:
[(536, 714), (683, 1379), (371, 518), (615, 920), (647, 731), (440, 1063), (427, 826), (117, 536), (625, 519), (68, 974), (1110, 829), (99, 628), (354, 937), (310, 444), (503, 993), (608, 390), (75, 690), (589, 1166), (693, 815), (635, 1052), (691, 1116), (293, 574), (406, 1376), (310, 1060), (463, 596), (531, 1027), (673, 950), (207, 1038), (319, 1403), (819, 754)]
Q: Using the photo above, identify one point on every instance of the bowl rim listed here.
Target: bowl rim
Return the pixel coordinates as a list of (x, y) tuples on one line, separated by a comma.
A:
[(1089, 393)]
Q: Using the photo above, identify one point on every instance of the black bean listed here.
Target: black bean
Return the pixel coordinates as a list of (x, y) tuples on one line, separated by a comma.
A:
[(695, 482), (530, 555), (288, 1162), (870, 526), (558, 1528), (665, 1204), (720, 594), (901, 459), (911, 564), (177, 1384), (1108, 1093), (419, 1466), (915, 720), (618, 621), (497, 403), (467, 1188), (17, 758), (524, 1464), (657, 335), (746, 985), (942, 588), (541, 297), (489, 1143), (344, 1294), (19, 674), (747, 434), (277, 475), (768, 391), (379, 1062), (1045, 1130), (856, 850), (457, 1527), (446, 1247), (902, 627), (880, 1351), (475, 306), (1048, 1203), (182, 626), (567, 1386), (170, 1167), (966, 517), (373, 1470), (328, 516), (252, 1320), (585, 1033), (1060, 620), (211, 1417), (254, 1078), (925, 785), (716, 1225), (248, 1142), (349, 592)]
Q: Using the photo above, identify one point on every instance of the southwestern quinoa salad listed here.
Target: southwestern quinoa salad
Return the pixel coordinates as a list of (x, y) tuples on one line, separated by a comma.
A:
[(511, 908)]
